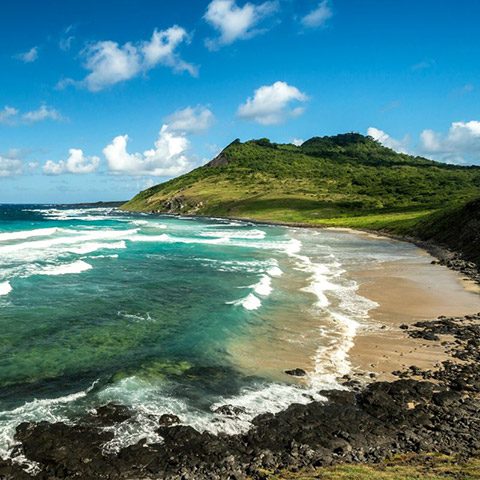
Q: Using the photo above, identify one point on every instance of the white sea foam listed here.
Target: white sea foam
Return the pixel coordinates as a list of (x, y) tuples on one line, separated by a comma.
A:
[(264, 286), (250, 302), (66, 269), (275, 271), (24, 234), (37, 249), (245, 234), (5, 288), (94, 246), (319, 283)]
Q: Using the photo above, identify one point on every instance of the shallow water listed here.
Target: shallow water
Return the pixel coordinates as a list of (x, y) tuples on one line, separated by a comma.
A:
[(159, 312)]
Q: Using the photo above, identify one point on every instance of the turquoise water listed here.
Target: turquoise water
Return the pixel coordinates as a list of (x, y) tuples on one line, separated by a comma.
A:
[(99, 305)]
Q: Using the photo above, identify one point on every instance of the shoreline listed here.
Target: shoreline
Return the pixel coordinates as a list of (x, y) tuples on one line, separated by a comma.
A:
[(444, 255)]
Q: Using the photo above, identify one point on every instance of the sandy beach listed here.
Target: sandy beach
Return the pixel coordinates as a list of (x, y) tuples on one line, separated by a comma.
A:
[(407, 293)]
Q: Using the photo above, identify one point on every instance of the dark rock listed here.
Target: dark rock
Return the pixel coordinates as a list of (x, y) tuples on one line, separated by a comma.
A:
[(230, 410), (111, 414), (296, 372), (167, 420)]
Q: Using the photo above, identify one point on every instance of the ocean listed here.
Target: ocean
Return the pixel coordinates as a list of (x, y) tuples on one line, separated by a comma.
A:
[(174, 315)]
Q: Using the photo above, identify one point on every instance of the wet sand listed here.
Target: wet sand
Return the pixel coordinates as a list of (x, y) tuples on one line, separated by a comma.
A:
[(407, 293)]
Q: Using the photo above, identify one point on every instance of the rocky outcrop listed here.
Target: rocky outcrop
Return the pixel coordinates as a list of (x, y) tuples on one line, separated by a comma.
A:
[(180, 204), (222, 158)]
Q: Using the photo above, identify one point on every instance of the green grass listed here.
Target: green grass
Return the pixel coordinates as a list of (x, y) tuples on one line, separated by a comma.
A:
[(406, 467)]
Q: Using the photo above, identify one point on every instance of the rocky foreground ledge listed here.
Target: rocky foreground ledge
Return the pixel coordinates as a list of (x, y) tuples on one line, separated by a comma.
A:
[(423, 411)]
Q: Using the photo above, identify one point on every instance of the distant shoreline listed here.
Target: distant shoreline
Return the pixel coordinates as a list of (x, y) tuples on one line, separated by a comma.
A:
[(444, 255)]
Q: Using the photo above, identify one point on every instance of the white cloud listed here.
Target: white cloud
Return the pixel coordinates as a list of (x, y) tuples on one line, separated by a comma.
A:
[(12, 116), (461, 143), (109, 63), (76, 163), (298, 142), (168, 158), (191, 120), (233, 22), (386, 140), (29, 56), (271, 104), (10, 166), (8, 115), (41, 114), (319, 16), (161, 50)]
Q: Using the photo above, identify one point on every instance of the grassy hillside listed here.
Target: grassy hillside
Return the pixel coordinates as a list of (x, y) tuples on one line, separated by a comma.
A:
[(346, 180), (456, 227)]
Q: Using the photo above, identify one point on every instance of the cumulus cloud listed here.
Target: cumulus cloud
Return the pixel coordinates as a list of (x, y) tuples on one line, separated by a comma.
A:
[(460, 144), (298, 142), (167, 158), (235, 23), (319, 16), (76, 163), (8, 115), (161, 50), (272, 104), (29, 56), (12, 116), (191, 120), (386, 140), (10, 166), (110, 63)]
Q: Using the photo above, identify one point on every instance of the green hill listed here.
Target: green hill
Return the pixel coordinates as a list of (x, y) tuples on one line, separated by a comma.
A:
[(456, 227), (345, 180)]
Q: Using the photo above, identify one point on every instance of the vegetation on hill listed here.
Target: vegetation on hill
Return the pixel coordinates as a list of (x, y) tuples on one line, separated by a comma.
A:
[(457, 228), (347, 180)]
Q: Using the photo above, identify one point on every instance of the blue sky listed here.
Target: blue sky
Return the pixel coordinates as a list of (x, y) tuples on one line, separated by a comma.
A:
[(101, 99)]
